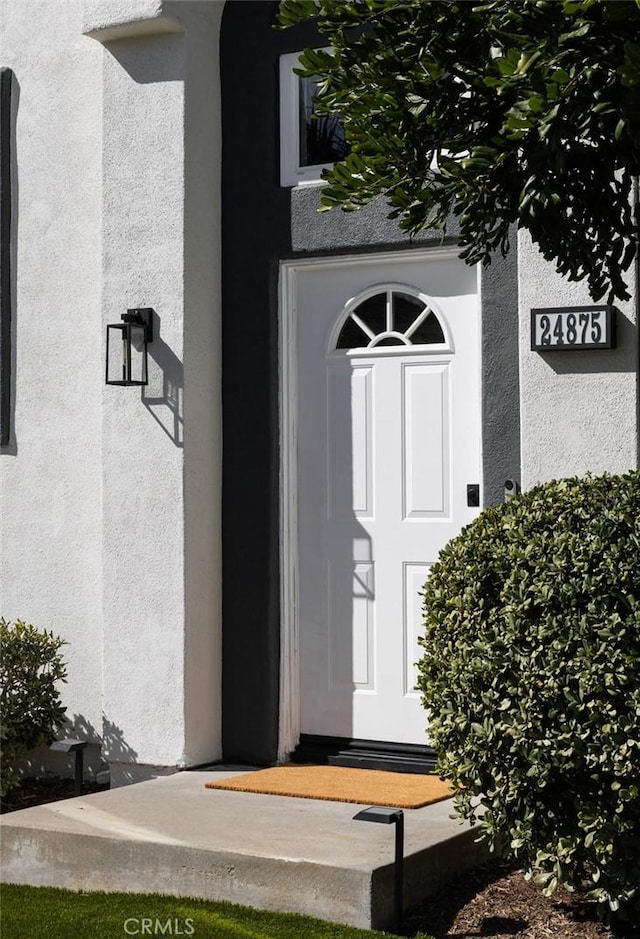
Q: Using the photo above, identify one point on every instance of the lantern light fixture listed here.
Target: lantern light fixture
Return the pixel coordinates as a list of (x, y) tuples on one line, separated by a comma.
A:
[(126, 359)]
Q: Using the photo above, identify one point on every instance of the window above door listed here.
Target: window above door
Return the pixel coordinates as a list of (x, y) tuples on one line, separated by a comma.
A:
[(308, 144), (389, 317)]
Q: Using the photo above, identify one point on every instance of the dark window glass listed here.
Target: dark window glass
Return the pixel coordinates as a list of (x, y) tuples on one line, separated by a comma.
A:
[(428, 331), (352, 337), (322, 138), (406, 310), (373, 312)]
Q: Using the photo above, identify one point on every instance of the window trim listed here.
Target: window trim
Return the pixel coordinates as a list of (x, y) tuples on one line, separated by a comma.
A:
[(291, 173), (392, 287)]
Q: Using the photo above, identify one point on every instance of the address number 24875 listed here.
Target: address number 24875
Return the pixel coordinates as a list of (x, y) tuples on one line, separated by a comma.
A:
[(571, 328)]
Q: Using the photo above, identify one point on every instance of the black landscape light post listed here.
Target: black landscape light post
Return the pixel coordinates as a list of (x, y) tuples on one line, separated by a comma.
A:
[(71, 745), (388, 816)]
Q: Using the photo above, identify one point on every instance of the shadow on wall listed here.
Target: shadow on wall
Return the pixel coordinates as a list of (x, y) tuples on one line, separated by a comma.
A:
[(110, 745), (163, 397), (150, 62), (114, 746)]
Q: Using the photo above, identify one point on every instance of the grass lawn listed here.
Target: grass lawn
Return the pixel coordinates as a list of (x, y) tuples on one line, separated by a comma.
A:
[(48, 913)]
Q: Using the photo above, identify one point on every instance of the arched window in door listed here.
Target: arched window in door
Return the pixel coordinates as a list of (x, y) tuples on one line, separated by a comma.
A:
[(390, 317)]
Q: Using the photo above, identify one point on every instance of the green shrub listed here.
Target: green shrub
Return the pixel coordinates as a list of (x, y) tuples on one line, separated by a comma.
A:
[(531, 679), (30, 708)]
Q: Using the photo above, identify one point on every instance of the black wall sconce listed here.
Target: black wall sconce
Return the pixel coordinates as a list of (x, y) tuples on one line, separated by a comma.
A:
[(127, 348)]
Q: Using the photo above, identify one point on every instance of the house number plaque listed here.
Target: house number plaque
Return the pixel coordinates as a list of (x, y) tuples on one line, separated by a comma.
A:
[(572, 327)]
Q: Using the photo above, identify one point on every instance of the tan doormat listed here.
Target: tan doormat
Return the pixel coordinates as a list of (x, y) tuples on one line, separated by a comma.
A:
[(342, 784)]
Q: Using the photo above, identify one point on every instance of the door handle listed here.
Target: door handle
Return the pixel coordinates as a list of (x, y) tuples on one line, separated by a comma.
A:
[(473, 494)]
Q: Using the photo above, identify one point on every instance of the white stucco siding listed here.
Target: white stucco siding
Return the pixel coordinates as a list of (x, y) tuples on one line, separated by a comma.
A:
[(50, 477), (161, 447), (579, 410), (110, 497)]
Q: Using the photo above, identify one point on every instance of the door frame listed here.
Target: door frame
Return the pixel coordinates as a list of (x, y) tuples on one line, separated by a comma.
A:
[(289, 697)]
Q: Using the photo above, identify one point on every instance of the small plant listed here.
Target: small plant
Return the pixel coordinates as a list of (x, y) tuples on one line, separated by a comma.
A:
[(531, 677), (30, 708)]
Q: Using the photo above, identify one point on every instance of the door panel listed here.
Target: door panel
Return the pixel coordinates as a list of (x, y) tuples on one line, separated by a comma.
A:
[(414, 578), (425, 444), (350, 441)]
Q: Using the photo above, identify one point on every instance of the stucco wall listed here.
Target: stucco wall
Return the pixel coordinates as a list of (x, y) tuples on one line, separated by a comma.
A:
[(161, 446), (579, 410), (111, 496), (50, 482)]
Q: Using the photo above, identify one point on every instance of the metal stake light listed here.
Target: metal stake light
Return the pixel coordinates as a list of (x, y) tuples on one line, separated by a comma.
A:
[(389, 816), (71, 745)]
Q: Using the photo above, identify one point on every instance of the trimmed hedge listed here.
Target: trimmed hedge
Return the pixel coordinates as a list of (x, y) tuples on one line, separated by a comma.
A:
[(30, 709), (531, 679)]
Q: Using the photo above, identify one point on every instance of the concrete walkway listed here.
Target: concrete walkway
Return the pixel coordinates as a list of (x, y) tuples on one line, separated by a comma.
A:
[(171, 835)]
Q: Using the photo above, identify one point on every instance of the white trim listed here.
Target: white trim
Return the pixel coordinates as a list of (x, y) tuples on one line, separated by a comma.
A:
[(390, 287), (390, 334), (439, 252), (289, 698)]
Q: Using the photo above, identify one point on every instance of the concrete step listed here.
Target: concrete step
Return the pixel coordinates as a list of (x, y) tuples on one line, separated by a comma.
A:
[(171, 835)]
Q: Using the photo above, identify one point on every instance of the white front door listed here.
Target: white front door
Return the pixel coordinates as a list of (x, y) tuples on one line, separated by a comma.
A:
[(388, 439)]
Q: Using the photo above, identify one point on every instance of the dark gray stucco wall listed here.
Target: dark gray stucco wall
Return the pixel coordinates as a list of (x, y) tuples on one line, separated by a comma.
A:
[(256, 233), (501, 458), (319, 232), (262, 225)]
